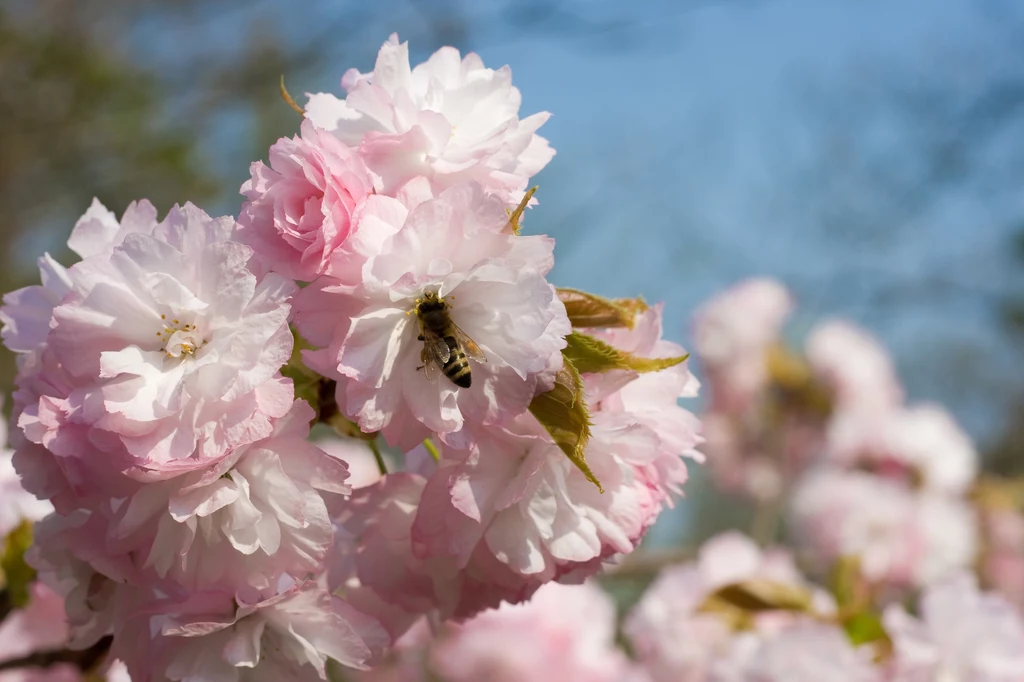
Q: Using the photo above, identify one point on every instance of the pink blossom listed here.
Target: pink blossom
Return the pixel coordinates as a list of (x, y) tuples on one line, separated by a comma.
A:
[(450, 120), (215, 636), (807, 651), (27, 312), (515, 493), (652, 399), (255, 515), (919, 445), (375, 563), (453, 246), (16, 504), (962, 635), (902, 537), (98, 587), (1003, 559), (738, 459), (305, 206), (512, 498), (674, 640), (854, 365), (733, 332), (169, 339), (362, 467), (563, 633), (98, 231), (39, 626)]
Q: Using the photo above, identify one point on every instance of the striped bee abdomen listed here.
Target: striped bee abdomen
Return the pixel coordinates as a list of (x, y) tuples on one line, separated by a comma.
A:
[(457, 367)]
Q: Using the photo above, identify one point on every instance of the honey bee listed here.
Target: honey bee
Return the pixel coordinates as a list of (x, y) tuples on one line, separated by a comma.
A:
[(446, 348)]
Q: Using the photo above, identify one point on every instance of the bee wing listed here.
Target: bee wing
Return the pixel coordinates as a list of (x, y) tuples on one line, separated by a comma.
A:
[(431, 366), (435, 349), (469, 345), (434, 354), (431, 370)]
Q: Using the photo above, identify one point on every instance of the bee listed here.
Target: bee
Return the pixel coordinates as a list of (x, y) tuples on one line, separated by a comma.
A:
[(446, 348)]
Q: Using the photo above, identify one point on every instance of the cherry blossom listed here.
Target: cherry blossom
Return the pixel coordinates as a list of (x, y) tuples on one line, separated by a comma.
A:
[(672, 637), (16, 504), (962, 635), (451, 120), (454, 247), (306, 204), (733, 332), (248, 638), (921, 445), (563, 633), (38, 626), (901, 537), (170, 336), (808, 651), (515, 493), (858, 370), (252, 517), (1002, 565)]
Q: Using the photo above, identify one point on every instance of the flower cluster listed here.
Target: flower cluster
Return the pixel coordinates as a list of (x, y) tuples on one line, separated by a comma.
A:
[(376, 282), (740, 614), (566, 632), (826, 433)]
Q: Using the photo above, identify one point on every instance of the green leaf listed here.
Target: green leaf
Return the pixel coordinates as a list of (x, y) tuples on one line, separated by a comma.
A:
[(865, 628), (307, 382), (847, 583), (563, 412), (592, 311), (590, 354), (764, 595), (18, 574)]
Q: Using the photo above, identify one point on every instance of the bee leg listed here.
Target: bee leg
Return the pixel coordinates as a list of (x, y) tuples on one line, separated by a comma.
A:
[(420, 338)]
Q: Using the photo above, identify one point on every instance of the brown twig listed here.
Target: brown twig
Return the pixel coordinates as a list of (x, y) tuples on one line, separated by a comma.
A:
[(649, 562), (85, 660), (5, 604)]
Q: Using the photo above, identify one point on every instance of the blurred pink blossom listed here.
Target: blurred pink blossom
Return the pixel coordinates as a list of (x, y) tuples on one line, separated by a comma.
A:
[(565, 632), (920, 445), (903, 538), (672, 637), (807, 651), (961, 635), (857, 369), (733, 332), (1002, 565)]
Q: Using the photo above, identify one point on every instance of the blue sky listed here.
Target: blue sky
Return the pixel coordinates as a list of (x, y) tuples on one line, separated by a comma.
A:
[(694, 149), (678, 161)]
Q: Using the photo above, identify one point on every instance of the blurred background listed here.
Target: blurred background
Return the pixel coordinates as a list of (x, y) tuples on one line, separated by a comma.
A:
[(868, 153)]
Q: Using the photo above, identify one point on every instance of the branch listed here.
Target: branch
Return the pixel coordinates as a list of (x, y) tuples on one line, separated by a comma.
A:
[(5, 604), (84, 660), (647, 563)]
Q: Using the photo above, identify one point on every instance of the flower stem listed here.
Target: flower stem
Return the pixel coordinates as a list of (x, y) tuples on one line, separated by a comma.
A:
[(381, 465), (85, 660)]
